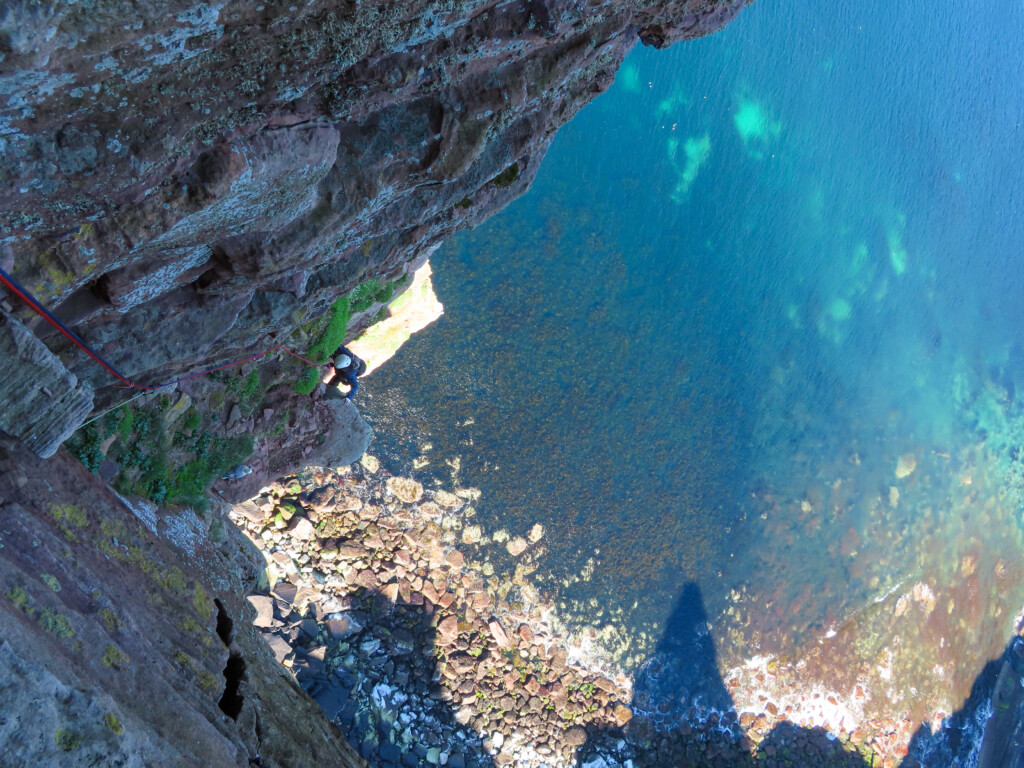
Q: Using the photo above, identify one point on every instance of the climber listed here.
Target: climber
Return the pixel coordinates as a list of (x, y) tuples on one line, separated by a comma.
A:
[(242, 470), (347, 369)]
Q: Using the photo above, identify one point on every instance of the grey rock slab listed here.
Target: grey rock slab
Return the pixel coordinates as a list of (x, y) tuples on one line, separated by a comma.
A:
[(264, 606), (331, 701), (278, 645), (346, 439), (41, 402), (286, 591)]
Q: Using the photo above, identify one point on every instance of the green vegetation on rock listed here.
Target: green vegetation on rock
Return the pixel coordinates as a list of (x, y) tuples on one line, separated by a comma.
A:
[(507, 177), (114, 657), (110, 621), (56, 623), (67, 740), (333, 334), (19, 597), (162, 464), (113, 723)]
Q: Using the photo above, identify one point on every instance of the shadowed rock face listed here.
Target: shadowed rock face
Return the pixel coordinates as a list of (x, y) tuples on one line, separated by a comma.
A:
[(126, 639), (187, 181)]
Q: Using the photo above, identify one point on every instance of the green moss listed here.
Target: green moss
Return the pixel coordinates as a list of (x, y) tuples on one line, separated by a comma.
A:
[(251, 391), (208, 681), (51, 581), (507, 177), (20, 598), (192, 420), (56, 623), (114, 657), (287, 415), (113, 724), (214, 457), (464, 203), (124, 426), (68, 517), (307, 383), (67, 740), (333, 335), (362, 297), (182, 659), (173, 579), (110, 621), (201, 602)]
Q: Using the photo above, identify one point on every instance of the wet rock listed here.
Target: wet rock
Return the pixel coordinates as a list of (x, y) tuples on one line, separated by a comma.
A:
[(430, 509), (347, 503), (516, 546), (405, 489), (906, 465), (446, 499)]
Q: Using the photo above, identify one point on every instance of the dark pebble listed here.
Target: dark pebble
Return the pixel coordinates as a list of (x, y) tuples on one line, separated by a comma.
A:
[(389, 754)]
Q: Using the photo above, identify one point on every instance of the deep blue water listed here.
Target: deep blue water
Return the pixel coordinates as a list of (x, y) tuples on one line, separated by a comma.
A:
[(748, 279)]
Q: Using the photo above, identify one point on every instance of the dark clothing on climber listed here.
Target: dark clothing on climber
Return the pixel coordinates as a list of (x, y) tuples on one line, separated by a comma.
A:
[(347, 369)]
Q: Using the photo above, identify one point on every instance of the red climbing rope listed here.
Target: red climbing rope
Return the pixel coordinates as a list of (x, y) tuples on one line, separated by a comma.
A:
[(29, 299)]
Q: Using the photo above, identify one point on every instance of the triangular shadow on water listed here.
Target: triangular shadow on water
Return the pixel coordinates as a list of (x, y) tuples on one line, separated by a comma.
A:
[(685, 718)]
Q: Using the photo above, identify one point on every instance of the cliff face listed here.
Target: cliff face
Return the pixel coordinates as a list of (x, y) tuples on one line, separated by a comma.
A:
[(127, 640), (189, 183)]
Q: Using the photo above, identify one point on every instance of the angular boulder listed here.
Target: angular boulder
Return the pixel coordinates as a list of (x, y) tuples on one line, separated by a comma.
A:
[(346, 439)]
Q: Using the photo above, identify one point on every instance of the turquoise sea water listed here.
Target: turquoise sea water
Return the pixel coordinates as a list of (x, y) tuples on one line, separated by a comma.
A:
[(758, 327)]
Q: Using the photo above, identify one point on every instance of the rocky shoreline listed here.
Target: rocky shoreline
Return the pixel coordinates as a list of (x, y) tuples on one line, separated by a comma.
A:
[(419, 655), (425, 657)]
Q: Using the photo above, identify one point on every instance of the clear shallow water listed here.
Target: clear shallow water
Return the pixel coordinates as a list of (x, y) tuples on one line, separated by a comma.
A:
[(749, 279)]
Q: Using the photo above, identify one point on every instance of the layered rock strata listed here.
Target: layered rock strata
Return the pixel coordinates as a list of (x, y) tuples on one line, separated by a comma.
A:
[(126, 639), (41, 402), (188, 182)]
